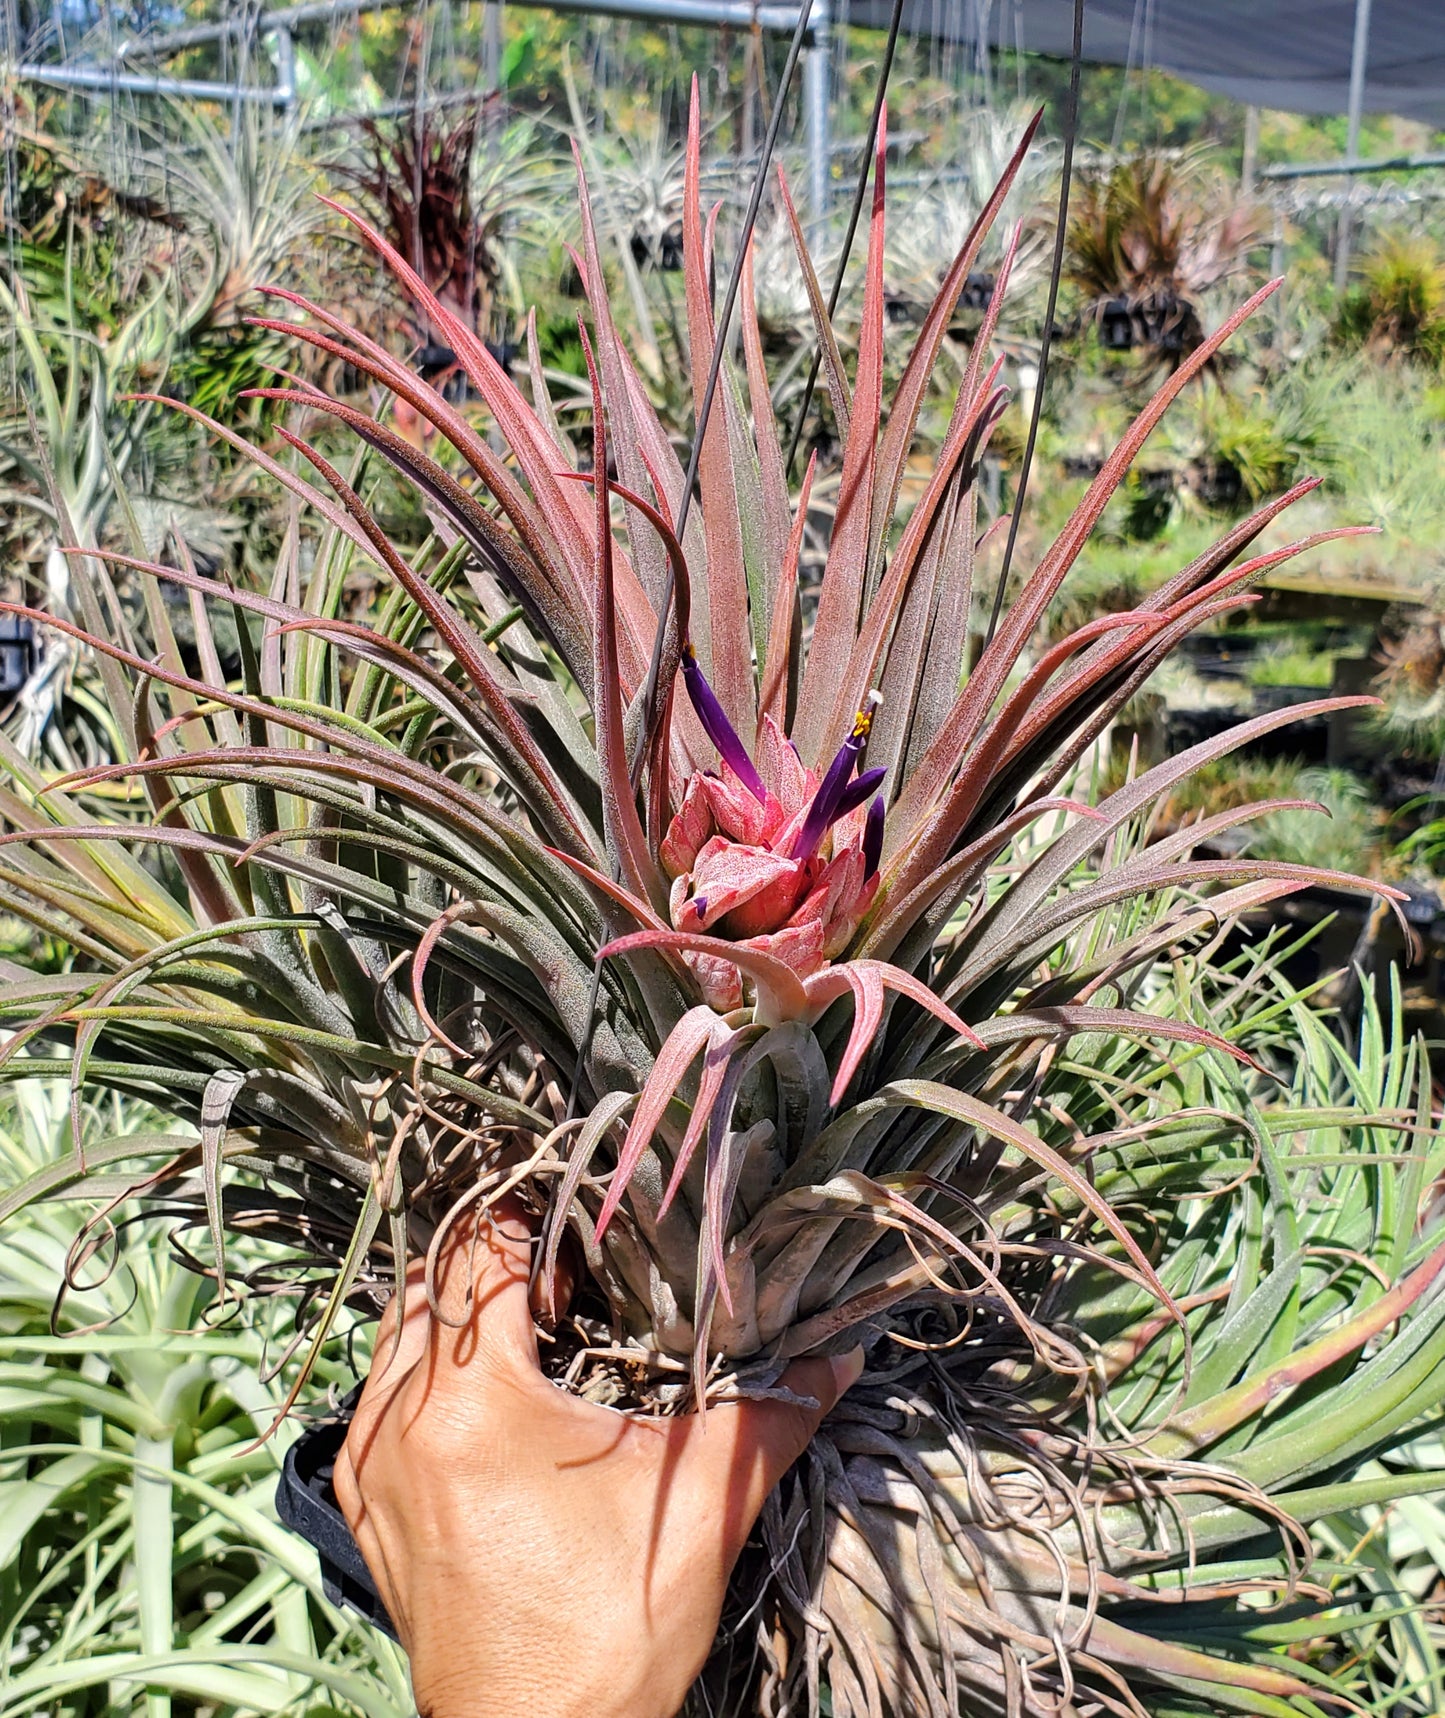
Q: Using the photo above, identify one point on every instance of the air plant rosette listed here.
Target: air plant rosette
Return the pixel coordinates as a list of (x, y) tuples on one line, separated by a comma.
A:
[(753, 965)]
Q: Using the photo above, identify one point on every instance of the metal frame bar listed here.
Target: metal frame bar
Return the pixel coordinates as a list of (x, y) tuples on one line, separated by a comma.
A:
[(815, 111), (1358, 57), (1352, 169), (777, 19), (102, 80), (735, 14)]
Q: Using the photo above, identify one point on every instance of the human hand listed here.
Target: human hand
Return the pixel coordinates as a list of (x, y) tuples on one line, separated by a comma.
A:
[(538, 1554)]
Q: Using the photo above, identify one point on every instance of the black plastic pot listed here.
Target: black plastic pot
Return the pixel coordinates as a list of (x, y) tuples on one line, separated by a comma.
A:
[(306, 1503), (18, 653), (1268, 699)]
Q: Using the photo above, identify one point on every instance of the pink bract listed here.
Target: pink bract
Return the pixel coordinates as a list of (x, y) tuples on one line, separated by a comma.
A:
[(732, 874)]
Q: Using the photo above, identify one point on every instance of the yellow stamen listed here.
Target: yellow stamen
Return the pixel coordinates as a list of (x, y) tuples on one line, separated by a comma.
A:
[(863, 721)]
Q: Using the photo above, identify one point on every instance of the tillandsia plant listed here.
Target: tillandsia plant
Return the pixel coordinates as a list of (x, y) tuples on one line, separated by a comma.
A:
[(141, 1565), (746, 943)]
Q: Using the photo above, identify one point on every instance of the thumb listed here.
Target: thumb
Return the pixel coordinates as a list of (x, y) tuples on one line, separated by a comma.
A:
[(762, 1440)]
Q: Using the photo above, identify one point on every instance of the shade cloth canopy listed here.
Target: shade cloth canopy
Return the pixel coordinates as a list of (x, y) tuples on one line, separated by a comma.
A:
[(1291, 54)]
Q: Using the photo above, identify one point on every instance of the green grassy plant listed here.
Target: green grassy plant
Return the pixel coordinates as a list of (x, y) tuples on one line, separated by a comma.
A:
[(1290, 665), (1399, 303), (1350, 833)]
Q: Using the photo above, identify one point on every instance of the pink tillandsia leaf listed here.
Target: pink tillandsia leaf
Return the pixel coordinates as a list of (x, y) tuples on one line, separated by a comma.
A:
[(589, 268), (780, 991), (682, 589), (394, 764), (1235, 541), (698, 1028), (1044, 585), (840, 395), (1049, 927), (989, 677), (1131, 672), (628, 450), (1004, 919), (508, 730), (1185, 614), (542, 402), (626, 836), (631, 904), (557, 582), (728, 658), (1067, 1020), (867, 980), (470, 817), (919, 606), (913, 387), (532, 446), (928, 630), (727, 1066), (840, 598), (960, 449), (457, 913), (774, 480), (325, 507), (1143, 875), (520, 561), (678, 620), (673, 727), (945, 1100), (216, 895), (975, 382), (1212, 914), (716, 1060), (1204, 592), (778, 667), (564, 555), (952, 880), (1190, 835), (951, 818)]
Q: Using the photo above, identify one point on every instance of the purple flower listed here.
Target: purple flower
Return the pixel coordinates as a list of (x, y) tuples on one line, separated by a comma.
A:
[(873, 838), (830, 801), (717, 727), (857, 791)]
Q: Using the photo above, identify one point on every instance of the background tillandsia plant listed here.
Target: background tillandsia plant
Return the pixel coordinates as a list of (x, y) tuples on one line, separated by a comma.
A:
[(749, 938), (141, 1563)]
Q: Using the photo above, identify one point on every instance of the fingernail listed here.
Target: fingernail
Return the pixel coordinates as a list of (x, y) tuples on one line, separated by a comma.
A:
[(847, 1368)]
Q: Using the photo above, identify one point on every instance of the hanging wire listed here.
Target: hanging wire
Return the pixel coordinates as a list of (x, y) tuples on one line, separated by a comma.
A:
[(859, 197), (1071, 126), (1126, 83)]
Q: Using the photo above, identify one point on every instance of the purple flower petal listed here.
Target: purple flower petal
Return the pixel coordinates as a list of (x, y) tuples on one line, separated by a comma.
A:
[(826, 808), (718, 728), (860, 789), (873, 838)]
